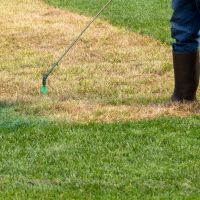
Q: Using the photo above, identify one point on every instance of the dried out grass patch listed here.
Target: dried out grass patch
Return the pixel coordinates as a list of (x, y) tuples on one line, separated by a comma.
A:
[(111, 74)]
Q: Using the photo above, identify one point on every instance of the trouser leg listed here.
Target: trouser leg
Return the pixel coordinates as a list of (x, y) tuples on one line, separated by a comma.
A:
[(185, 26)]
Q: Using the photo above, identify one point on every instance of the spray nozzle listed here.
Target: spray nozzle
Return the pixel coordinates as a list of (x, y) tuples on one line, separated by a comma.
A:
[(44, 82)]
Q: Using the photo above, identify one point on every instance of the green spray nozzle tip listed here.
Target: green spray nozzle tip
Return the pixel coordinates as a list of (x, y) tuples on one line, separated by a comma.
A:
[(44, 89), (44, 81)]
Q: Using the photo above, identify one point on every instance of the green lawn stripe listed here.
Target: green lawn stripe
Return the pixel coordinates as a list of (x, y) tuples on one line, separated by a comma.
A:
[(150, 17), (149, 159)]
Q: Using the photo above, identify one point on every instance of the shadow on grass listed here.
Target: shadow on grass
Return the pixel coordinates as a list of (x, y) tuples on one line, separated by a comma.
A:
[(142, 100), (4, 104)]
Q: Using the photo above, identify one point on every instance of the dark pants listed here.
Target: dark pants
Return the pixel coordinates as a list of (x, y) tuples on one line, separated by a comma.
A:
[(185, 25)]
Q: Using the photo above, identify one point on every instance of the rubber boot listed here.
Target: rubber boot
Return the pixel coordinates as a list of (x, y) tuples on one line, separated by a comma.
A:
[(186, 73)]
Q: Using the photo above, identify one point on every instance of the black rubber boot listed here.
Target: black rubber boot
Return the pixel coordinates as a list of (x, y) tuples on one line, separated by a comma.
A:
[(186, 72)]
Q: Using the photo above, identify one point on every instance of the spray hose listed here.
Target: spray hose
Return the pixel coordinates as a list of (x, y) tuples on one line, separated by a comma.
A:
[(54, 65)]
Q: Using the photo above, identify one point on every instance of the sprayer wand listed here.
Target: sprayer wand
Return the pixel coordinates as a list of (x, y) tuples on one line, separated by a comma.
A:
[(54, 65)]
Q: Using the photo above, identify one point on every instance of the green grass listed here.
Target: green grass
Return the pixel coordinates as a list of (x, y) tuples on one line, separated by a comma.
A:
[(154, 159), (150, 17)]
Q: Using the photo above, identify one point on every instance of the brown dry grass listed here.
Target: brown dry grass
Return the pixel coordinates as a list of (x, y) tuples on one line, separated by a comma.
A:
[(112, 74)]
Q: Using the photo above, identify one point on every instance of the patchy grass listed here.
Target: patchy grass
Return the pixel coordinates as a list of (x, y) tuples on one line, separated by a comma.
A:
[(112, 74), (150, 17), (151, 159)]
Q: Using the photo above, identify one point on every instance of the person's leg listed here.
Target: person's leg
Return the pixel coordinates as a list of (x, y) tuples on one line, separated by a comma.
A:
[(185, 26)]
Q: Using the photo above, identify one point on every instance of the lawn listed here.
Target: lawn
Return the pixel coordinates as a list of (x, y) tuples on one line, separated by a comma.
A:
[(146, 17), (149, 159), (104, 130)]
